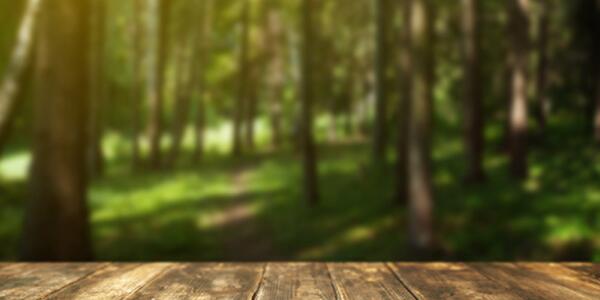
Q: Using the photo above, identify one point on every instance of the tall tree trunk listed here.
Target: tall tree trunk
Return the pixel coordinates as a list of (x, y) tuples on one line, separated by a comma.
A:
[(473, 101), (17, 65), (276, 74), (95, 155), (404, 105), (136, 91), (419, 151), (519, 37), (56, 220), (596, 60), (380, 137), (541, 86), (158, 32), (204, 50), (306, 128), (242, 101)]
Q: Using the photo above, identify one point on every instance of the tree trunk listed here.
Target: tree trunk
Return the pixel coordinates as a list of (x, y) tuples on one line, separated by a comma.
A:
[(419, 152), (182, 98), (204, 47), (136, 92), (95, 155), (56, 220), (541, 86), (276, 74), (158, 32), (242, 101), (473, 101), (380, 136), (404, 109), (306, 129), (596, 60), (519, 37), (17, 65)]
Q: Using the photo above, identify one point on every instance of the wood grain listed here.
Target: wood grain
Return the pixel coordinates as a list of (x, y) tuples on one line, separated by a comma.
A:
[(296, 281), (566, 277), (205, 281), (366, 281), (27, 281), (116, 281), (448, 281)]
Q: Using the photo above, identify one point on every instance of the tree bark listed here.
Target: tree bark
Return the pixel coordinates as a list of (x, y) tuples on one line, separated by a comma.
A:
[(473, 101), (56, 220), (158, 27), (20, 58), (95, 155), (404, 105), (518, 116), (419, 152), (306, 128), (381, 62)]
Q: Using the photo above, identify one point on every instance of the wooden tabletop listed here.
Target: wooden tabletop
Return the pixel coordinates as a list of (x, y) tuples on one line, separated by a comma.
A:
[(300, 281)]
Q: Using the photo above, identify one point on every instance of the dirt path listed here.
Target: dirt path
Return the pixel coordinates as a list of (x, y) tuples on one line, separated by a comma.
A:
[(243, 239)]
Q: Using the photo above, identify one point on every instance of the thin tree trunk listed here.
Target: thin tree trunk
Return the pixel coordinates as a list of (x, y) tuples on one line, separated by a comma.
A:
[(306, 129), (20, 58), (276, 74), (404, 106), (56, 220), (158, 30), (136, 95), (519, 24), (203, 43), (596, 60), (473, 101), (542, 100), (419, 151), (95, 155), (241, 105), (380, 136)]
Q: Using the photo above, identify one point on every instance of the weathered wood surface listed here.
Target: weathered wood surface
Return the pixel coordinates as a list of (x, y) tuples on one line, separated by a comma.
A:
[(300, 281)]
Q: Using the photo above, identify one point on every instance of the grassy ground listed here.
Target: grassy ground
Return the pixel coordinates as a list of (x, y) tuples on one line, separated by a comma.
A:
[(182, 214)]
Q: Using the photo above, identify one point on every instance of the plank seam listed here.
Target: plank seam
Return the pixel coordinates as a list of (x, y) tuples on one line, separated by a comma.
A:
[(332, 282), (150, 281), (260, 282), (80, 279), (388, 265)]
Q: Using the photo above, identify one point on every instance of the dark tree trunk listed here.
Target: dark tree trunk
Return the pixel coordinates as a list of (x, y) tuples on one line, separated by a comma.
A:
[(596, 62), (204, 47), (276, 74), (19, 60), (158, 28), (306, 128), (136, 91), (95, 155), (242, 101), (543, 102), (473, 101), (404, 106), (182, 99), (56, 220), (518, 116), (381, 132), (419, 151)]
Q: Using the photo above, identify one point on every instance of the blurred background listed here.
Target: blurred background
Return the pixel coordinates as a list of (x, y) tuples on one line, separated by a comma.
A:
[(244, 130)]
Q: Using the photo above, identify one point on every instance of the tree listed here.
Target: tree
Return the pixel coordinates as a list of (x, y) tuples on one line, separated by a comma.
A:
[(243, 88), (204, 49), (473, 106), (306, 128), (419, 149), (541, 85), (519, 60), (404, 105), (157, 26), (136, 95), (276, 73), (56, 220), (97, 88), (596, 60), (382, 9), (16, 68)]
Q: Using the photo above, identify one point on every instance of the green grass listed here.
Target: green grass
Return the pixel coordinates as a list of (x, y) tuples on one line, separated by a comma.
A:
[(554, 215)]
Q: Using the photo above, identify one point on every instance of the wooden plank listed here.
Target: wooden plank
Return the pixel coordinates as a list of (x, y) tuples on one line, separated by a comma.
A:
[(528, 284), (366, 281), (116, 281), (205, 281), (583, 283), (309, 281), (31, 281), (590, 271), (449, 281)]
